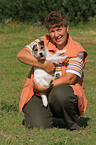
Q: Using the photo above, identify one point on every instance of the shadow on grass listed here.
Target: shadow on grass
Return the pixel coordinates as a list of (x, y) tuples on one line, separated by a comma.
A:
[(59, 123), (82, 122)]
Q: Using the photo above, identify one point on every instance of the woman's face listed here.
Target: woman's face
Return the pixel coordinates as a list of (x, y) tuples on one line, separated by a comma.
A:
[(59, 35)]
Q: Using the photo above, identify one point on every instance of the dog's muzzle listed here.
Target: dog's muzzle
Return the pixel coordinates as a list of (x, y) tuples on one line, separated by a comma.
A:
[(41, 55)]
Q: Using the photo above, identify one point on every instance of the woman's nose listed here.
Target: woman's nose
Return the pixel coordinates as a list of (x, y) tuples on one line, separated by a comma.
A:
[(56, 34)]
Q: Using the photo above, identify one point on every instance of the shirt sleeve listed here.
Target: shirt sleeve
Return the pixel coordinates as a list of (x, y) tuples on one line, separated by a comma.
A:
[(75, 65)]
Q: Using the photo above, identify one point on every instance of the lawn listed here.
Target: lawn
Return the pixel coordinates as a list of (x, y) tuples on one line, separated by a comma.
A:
[(14, 37)]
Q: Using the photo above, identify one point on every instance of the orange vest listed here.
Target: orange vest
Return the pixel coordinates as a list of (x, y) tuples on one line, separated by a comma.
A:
[(72, 48)]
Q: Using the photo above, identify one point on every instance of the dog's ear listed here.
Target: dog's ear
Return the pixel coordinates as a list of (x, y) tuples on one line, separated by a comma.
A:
[(34, 47), (41, 43)]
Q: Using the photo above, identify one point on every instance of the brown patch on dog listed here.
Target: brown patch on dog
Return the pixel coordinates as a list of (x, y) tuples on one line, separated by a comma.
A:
[(35, 49)]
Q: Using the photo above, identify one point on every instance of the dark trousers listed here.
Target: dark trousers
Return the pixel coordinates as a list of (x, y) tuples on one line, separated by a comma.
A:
[(62, 104)]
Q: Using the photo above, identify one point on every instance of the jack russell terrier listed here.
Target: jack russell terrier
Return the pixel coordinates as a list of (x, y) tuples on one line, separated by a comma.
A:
[(40, 51)]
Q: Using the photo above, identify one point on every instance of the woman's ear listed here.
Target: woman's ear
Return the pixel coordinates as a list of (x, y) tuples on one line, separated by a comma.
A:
[(67, 28)]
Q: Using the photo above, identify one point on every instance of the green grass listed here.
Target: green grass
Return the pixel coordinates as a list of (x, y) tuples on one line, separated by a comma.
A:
[(14, 37)]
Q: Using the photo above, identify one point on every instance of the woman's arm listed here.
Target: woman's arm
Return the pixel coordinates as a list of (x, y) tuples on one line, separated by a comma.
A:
[(73, 71), (26, 57), (67, 78)]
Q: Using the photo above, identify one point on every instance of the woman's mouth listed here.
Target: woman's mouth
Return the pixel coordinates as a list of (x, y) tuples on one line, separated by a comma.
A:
[(58, 39)]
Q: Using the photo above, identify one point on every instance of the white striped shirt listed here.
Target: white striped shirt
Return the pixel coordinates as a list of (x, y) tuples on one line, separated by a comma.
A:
[(75, 65)]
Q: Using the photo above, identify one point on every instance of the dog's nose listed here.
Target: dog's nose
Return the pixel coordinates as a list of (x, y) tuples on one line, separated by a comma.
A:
[(41, 54)]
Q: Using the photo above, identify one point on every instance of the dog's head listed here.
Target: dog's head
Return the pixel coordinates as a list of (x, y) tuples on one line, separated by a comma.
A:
[(39, 50)]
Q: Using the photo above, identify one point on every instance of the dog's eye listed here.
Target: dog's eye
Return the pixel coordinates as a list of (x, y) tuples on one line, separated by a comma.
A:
[(41, 48), (36, 50)]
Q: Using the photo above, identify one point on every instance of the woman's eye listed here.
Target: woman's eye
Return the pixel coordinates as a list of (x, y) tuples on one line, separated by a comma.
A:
[(51, 31), (58, 29)]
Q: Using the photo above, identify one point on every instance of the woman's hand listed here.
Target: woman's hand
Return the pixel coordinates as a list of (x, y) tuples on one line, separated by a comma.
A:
[(48, 67), (38, 88), (26, 57)]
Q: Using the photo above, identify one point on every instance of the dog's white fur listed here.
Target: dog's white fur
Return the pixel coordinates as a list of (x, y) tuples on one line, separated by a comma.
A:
[(40, 75)]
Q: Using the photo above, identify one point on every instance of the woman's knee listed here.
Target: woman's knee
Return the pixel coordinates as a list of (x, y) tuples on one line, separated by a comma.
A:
[(36, 115), (61, 94), (38, 122)]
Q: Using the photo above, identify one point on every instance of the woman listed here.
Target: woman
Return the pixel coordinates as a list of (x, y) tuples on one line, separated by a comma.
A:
[(66, 96)]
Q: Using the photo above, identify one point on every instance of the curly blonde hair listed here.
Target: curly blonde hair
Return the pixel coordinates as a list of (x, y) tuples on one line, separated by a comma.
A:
[(57, 18)]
